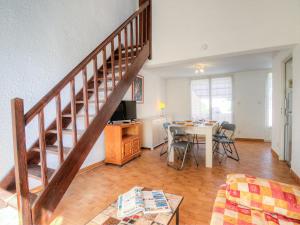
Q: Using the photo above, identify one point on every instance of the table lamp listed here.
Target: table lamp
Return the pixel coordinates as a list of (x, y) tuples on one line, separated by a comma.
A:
[(162, 107)]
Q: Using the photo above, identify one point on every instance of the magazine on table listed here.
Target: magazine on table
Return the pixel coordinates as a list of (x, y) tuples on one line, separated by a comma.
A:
[(136, 200)]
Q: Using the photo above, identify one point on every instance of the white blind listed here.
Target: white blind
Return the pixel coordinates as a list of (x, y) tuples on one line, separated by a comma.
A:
[(221, 97), (212, 99), (200, 99)]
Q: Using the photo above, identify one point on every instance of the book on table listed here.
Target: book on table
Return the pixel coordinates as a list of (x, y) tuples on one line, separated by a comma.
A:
[(136, 200)]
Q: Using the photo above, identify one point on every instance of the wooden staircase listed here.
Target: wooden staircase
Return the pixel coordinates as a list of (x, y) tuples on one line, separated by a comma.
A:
[(115, 64)]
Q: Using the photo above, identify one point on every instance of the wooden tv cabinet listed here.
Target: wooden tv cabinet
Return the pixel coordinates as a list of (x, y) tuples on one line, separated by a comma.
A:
[(122, 142)]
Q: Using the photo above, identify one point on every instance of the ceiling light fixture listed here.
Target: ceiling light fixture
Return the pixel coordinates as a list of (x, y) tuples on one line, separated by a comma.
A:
[(199, 68)]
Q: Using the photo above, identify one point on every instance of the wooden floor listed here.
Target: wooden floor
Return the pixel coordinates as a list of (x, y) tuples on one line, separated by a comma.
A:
[(93, 191)]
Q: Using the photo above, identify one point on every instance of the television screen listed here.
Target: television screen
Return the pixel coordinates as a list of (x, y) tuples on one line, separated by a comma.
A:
[(130, 110), (125, 111)]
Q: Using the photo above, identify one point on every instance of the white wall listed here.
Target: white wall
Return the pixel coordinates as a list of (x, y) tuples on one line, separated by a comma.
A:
[(178, 98), (154, 93), (181, 28), (250, 105), (278, 93), (40, 42), (248, 100), (296, 112), (278, 99)]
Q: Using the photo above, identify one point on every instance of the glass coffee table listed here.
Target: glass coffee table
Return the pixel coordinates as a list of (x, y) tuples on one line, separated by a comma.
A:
[(109, 215)]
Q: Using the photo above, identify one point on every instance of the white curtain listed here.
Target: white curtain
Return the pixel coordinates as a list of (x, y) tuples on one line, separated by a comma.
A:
[(200, 99), (212, 99), (221, 97)]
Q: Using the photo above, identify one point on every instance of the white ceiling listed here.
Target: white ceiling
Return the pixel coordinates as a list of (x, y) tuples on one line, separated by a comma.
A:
[(216, 65)]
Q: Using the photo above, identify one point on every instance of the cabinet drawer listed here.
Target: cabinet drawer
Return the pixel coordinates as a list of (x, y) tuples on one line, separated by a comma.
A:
[(135, 145), (126, 149)]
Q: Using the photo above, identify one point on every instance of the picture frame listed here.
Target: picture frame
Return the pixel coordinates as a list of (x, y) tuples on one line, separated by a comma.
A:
[(138, 89)]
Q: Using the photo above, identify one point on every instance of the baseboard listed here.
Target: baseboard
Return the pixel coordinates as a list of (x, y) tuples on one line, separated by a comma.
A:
[(274, 153), (295, 176), (250, 139), (90, 167)]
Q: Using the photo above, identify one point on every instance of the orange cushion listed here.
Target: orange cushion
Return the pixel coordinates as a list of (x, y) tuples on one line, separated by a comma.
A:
[(263, 194)]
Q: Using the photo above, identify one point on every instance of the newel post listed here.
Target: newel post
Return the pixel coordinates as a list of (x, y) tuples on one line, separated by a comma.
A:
[(150, 27), (20, 154)]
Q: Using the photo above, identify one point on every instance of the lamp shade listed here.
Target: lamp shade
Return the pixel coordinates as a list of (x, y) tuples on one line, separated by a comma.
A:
[(162, 105)]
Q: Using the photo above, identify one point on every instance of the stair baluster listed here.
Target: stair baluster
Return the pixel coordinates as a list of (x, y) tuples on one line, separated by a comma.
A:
[(42, 145), (104, 72), (131, 42), (113, 79), (141, 29), (120, 55), (73, 112), (85, 97), (96, 85), (136, 36), (126, 48)]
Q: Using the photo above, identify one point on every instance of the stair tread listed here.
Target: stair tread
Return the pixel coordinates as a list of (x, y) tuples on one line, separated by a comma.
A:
[(54, 149), (123, 61), (13, 201), (90, 101), (78, 115), (109, 69), (67, 131), (34, 171), (5, 195), (109, 78), (100, 89), (123, 56), (129, 47)]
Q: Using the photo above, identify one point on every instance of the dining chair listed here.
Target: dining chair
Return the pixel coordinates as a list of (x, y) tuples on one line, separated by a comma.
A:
[(165, 144), (220, 132), (180, 147), (226, 139)]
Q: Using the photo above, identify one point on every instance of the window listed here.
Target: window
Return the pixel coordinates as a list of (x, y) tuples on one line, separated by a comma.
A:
[(200, 99), (221, 95), (212, 99), (269, 90)]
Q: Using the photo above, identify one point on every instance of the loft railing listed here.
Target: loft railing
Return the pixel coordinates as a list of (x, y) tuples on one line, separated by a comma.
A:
[(122, 55)]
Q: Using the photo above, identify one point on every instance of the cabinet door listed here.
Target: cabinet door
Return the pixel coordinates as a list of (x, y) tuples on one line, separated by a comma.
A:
[(127, 149), (135, 145)]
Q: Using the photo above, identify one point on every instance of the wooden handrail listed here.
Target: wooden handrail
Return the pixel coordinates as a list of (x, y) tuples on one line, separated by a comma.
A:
[(55, 91)]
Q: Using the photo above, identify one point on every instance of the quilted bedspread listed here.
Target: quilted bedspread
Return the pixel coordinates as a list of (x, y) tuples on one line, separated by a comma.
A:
[(226, 212)]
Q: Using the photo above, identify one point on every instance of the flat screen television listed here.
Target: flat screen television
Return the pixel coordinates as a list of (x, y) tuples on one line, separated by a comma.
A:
[(125, 111)]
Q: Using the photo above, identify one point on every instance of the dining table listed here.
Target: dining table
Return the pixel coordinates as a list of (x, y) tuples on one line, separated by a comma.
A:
[(205, 129)]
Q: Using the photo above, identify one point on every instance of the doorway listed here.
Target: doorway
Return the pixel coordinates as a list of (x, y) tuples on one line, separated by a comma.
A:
[(288, 112)]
